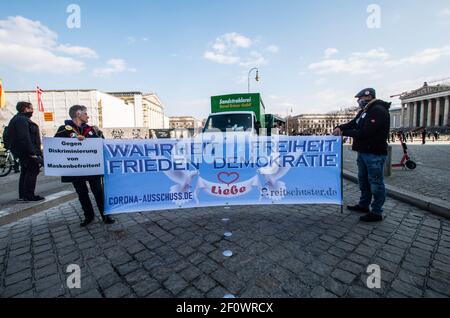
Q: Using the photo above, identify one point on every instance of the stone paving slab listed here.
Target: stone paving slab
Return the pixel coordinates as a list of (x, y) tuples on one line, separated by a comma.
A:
[(425, 203), (278, 251), (21, 210), (430, 178)]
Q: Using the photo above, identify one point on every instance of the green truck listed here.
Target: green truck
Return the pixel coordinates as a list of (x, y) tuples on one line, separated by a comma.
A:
[(236, 112), (274, 122)]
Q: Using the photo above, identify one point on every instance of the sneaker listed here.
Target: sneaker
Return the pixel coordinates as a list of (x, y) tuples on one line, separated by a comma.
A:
[(86, 222), (108, 220), (34, 199), (358, 208), (371, 217)]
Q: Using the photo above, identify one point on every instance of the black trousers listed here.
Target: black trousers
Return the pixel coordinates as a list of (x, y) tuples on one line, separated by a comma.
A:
[(83, 195), (29, 170)]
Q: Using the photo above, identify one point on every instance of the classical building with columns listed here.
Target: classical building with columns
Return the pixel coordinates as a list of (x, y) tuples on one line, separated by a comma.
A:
[(425, 107), (321, 124)]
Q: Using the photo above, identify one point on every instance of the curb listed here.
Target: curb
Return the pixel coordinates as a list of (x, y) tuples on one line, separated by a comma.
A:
[(435, 206), (11, 215)]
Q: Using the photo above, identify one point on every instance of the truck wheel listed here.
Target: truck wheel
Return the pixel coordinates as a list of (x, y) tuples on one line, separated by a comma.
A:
[(411, 165)]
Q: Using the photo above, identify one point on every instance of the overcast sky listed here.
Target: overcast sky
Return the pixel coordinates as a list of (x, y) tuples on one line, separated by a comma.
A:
[(313, 56)]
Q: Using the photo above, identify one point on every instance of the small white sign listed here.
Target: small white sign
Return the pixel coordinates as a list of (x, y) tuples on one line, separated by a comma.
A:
[(70, 157)]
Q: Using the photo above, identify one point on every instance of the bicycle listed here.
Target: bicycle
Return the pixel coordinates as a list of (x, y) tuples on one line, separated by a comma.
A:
[(6, 163)]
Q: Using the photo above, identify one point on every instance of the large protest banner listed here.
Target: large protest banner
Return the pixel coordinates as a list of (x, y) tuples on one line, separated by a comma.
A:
[(71, 157), (147, 175)]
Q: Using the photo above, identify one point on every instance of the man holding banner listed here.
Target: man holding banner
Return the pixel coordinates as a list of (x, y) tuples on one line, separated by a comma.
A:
[(78, 128), (369, 130)]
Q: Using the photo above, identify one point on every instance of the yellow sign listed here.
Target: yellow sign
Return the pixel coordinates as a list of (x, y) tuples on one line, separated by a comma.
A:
[(2, 96), (48, 116)]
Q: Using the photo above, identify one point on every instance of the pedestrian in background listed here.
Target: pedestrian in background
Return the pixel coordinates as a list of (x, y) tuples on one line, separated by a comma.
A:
[(25, 143), (77, 127)]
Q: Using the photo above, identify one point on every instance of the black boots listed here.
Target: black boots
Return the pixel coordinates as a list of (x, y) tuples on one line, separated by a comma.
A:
[(358, 208), (33, 199), (86, 222), (108, 220), (371, 217)]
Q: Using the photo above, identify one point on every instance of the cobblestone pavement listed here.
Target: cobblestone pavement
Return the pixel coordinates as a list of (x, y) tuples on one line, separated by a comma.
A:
[(9, 188), (278, 251), (430, 178)]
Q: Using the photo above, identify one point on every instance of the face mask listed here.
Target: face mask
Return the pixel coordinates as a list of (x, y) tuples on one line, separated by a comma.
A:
[(362, 103), (29, 115)]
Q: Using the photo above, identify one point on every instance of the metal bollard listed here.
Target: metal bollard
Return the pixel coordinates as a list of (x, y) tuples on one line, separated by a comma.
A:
[(388, 163)]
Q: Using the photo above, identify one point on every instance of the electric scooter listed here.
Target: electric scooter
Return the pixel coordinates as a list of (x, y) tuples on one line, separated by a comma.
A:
[(406, 161)]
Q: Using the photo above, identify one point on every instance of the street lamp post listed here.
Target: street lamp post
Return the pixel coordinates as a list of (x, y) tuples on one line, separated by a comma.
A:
[(289, 113), (256, 78)]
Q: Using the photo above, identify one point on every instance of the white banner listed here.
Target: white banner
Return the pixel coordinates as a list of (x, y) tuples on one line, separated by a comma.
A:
[(70, 157), (227, 189), (152, 175)]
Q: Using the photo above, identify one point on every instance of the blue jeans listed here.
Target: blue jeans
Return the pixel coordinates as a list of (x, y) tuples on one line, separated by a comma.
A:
[(371, 181)]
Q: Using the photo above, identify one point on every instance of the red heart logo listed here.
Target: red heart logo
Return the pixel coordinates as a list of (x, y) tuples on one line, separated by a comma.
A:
[(228, 177)]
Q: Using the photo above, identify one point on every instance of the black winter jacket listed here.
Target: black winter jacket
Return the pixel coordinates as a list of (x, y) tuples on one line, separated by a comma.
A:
[(370, 128), (70, 130), (24, 137)]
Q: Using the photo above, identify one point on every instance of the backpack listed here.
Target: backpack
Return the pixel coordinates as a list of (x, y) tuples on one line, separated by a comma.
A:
[(5, 138)]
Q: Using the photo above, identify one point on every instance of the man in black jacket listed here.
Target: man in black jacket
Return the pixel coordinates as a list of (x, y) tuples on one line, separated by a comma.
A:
[(25, 144), (369, 130), (78, 128)]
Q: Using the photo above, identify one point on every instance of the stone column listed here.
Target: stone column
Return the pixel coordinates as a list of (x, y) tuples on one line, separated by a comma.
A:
[(408, 114), (446, 107), (430, 104), (422, 113), (414, 119), (402, 114), (438, 112), (411, 114)]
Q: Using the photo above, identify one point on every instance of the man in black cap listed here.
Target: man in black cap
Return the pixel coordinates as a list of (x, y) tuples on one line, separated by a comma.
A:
[(25, 143), (369, 130)]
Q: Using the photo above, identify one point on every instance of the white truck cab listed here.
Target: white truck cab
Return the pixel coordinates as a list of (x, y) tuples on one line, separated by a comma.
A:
[(231, 122)]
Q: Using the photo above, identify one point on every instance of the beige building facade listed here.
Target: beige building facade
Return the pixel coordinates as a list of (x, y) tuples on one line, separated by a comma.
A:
[(106, 110), (321, 124), (425, 107), (185, 122), (149, 110)]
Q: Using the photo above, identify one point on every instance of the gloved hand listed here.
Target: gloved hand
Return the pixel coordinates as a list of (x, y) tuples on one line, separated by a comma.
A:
[(40, 161)]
